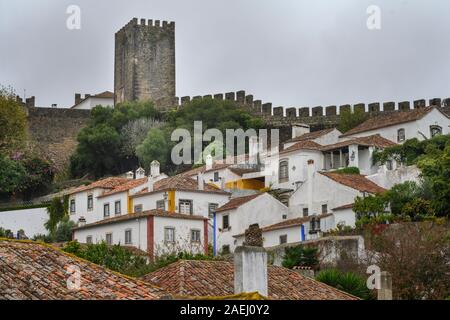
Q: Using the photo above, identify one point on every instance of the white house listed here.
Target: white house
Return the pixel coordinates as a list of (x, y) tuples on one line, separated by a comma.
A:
[(157, 232), (422, 123), (293, 230), (322, 137), (238, 214), (90, 101), (324, 191)]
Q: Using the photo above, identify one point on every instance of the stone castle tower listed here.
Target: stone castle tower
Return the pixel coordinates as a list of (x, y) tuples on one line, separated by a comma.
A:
[(144, 63)]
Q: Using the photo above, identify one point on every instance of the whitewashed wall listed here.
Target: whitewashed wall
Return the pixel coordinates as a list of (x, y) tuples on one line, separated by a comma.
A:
[(413, 129), (138, 233), (264, 210), (388, 178), (182, 234), (92, 102), (30, 220), (81, 210)]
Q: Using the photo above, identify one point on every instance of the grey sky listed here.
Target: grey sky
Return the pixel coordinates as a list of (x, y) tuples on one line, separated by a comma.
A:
[(289, 52)]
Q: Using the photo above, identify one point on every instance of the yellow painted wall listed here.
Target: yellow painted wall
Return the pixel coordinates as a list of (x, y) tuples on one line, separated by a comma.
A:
[(249, 184), (171, 201), (129, 203)]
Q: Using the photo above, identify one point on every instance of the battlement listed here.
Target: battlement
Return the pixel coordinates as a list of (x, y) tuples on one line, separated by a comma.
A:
[(148, 23), (29, 102), (265, 109)]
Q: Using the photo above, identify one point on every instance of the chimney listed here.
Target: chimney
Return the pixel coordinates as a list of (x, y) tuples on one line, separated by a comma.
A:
[(154, 169), (129, 175), (201, 182), (150, 183), (310, 180), (209, 162), (77, 98), (250, 264), (140, 173), (299, 129)]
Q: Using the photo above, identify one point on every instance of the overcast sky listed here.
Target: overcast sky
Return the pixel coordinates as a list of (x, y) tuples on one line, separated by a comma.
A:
[(289, 52)]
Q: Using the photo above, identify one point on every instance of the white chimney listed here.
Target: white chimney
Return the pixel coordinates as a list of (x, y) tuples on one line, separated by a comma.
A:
[(140, 173), (299, 129), (310, 181), (250, 270), (150, 183), (154, 169), (209, 162), (201, 183), (129, 175)]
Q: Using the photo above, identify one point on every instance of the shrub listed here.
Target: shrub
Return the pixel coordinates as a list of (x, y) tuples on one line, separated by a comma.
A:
[(300, 256), (348, 170), (346, 281)]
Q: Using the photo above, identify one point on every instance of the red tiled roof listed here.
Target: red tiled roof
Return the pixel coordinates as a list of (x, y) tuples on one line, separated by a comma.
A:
[(182, 183), (131, 216), (237, 202), (310, 135), (374, 140), (129, 184), (346, 206), (391, 119), (355, 181), (195, 171), (303, 145), (216, 278), (107, 183), (30, 270)]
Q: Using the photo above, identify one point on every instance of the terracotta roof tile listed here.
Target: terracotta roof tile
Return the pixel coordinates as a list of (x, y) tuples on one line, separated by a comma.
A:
[(182, 183), (216, 278), (129, 184), (30, 270), (311, 135), (374, 140), (346, 206), (355, 181), (107, 183), (387, 120), (307, 145), (130, 216), (237, 202)]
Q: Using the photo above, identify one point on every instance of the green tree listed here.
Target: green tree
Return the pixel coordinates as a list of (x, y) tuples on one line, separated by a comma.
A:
[(13, 122), (349, 120), (57, 210), (370, 206), (154, 147), (63, 231), (12, 175)]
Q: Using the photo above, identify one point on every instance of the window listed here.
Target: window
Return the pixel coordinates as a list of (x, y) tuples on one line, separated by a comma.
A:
[(389, 164), (314, 225), (435, 130), (324, 209), (72, 206), (160, 204), (128, 236), (400, 135), (195, 235), (216, 176), (90, 202), (283, 173), (89, 239), (212, 207), (138, 208), (109, 239), (117, 208), (169, 234), (185, 207), (106, 210), (225, 222), (305, 212), (225, 249), (284, 216), (283, 239)]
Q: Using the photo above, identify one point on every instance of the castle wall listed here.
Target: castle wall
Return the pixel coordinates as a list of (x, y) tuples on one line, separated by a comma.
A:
[(55, 131), (145, 62)]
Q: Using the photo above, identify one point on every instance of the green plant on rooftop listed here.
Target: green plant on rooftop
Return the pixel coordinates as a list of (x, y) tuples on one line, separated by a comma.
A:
[(348, 170), (349, 120), (300, 256), (346, 281)]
